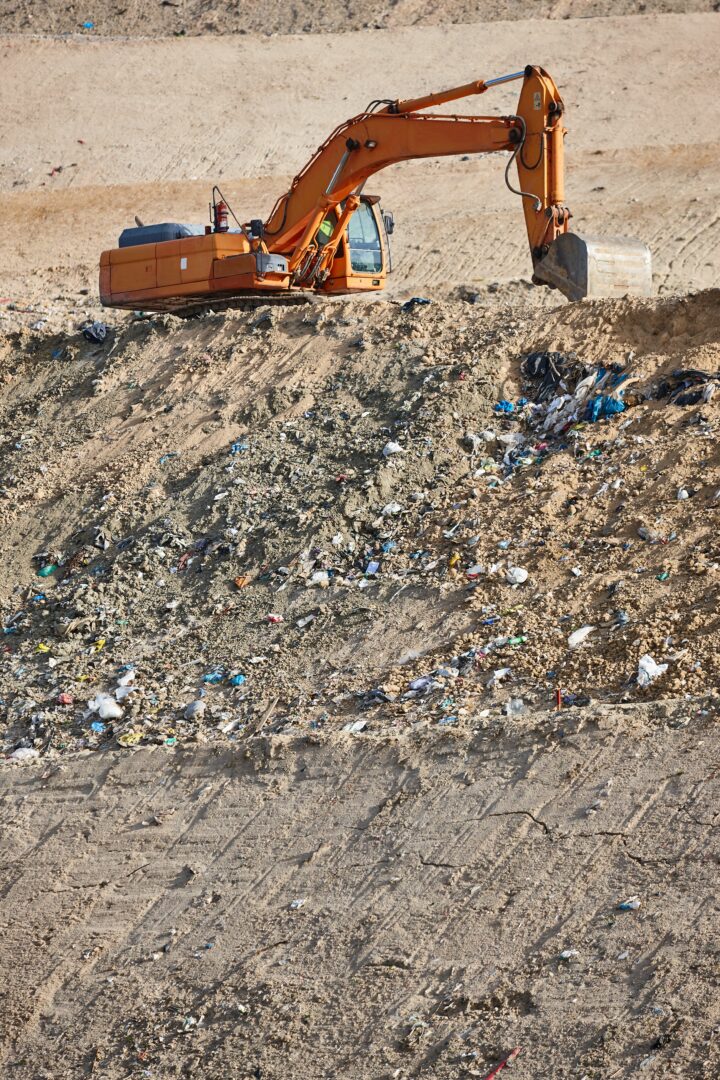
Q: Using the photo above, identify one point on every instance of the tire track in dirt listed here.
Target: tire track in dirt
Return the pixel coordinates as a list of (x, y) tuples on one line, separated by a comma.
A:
[(251, 835)]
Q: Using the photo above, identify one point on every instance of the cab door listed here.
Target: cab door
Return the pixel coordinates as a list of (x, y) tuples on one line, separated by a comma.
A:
[(362, 260)]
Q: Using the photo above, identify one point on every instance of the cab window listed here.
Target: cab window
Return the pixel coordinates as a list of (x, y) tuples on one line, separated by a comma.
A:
[(364, 240)]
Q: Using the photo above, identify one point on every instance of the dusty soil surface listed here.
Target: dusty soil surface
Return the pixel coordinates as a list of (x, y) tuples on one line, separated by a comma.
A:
[(163, 18), (353, 671), (350, 907)]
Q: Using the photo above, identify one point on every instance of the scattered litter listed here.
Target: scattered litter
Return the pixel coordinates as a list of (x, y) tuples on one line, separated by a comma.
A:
[(415, 301), (604, 406), (25, 753), (355, 727), (194, 710), (391, 508), (649, 671), (503, 1064), (392, 448), (631, 904), (97, 331), (549, 369), (516, 575), (105, 706), (578, 636)]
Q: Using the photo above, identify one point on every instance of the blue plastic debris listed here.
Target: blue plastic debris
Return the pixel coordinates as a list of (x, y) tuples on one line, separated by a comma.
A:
[(98, 727), (388, 546), (213, 678), (88, 25), (97, 331), (372, 567), (237, 680), (504, 406), (603, 406), (445, 720), (168, 457), (239, 447), (415, 301)]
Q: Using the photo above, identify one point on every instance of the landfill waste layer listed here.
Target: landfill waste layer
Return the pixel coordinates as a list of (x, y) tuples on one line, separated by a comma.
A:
[(296, 518)]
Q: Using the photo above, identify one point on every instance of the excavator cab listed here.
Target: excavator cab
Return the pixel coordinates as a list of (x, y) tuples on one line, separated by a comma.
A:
[(362, 260)]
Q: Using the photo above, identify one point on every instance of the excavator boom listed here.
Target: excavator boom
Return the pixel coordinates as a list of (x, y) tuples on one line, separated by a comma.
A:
[(324, 234)]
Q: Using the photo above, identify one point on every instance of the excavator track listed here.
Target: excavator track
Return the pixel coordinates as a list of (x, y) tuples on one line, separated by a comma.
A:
[(248, 302)]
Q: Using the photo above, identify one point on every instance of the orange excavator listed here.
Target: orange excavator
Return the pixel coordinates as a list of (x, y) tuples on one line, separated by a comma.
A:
[(326, 235)]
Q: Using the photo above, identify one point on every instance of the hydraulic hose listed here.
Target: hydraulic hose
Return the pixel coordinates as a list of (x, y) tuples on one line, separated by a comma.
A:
[(516, 151)]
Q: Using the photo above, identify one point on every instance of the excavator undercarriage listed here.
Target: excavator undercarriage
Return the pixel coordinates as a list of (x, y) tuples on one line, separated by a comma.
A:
[(326, 236)]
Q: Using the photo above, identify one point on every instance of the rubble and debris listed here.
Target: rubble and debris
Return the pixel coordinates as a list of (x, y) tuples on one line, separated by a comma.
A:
[(323, 589)]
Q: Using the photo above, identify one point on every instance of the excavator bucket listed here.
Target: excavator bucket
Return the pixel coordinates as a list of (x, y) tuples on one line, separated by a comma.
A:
[(593, 266)]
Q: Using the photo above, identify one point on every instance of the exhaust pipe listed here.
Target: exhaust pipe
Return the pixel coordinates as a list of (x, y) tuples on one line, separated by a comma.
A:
[(591, 266)]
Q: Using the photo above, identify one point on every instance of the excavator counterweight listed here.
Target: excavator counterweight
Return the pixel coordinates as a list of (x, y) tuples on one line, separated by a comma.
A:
[(325, 235)]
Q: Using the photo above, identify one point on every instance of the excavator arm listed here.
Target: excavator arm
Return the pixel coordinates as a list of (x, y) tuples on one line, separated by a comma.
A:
[(402, 131)]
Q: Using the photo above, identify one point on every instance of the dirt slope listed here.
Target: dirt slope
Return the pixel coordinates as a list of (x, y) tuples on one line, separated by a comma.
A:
[(365, 909), (324, 501)]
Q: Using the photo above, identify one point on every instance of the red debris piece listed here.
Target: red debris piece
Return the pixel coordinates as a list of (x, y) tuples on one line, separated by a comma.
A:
[(507, 1061)]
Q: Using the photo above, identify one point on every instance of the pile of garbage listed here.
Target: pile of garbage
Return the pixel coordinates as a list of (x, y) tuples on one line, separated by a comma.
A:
[(358, 517)]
